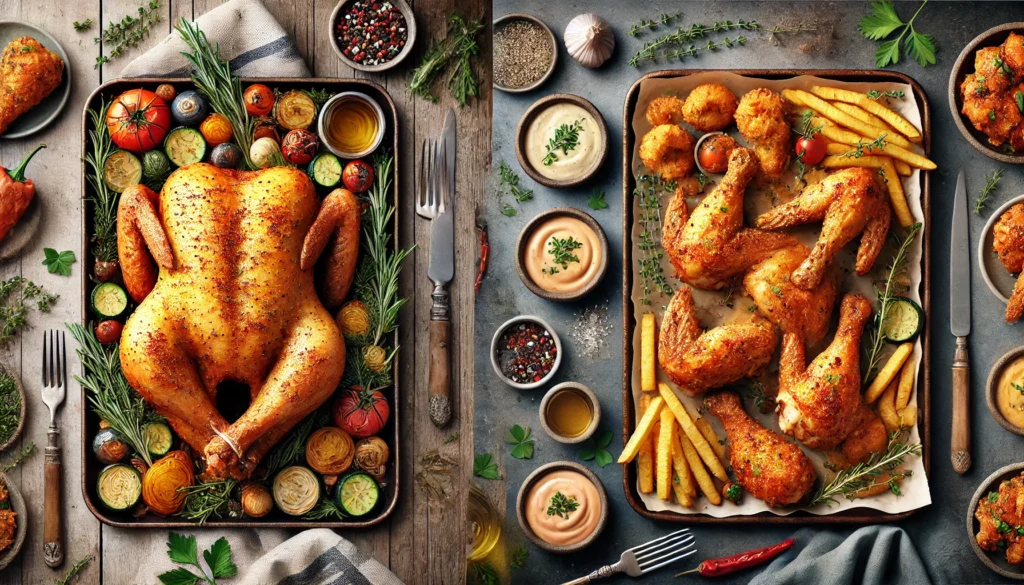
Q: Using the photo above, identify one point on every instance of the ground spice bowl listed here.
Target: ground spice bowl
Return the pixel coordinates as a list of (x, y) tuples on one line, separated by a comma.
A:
[(500, 22), (494, 351), (523, 241), (410, 26), (538, 474), (588, 395)]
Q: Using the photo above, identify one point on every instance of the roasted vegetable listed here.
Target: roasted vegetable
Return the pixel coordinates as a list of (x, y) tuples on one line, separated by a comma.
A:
[(138, 120), (325, 170), (259, 100), (360, 413), (119, 487), (354, 319), (330, 451), (357, 494), (296, 490), (166, 92), (263, 152), (109, 300), (185, 146), (122, 170), (158, 438), (299, 147), (216, 129), (189, 108), (372, 454), (162, 483), (109, 331), (358, 176), (16, 193), (295, 110), (156, 167), (109, 448), (226, 156), (256, 500)]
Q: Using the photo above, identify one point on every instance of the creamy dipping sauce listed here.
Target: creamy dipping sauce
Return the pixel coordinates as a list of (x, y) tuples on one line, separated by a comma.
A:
[(554, 528), (1009, 399), (582, 255), (579, 159)]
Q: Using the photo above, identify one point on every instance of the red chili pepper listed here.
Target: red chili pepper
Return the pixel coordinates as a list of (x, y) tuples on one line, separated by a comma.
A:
[(727, 565), (485, 254)]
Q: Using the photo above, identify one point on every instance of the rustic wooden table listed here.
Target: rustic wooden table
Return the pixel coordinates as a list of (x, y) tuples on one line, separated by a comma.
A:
[(424, 540)]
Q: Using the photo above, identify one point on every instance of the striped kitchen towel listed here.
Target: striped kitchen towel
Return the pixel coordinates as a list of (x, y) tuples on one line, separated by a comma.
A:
[(248, 35)]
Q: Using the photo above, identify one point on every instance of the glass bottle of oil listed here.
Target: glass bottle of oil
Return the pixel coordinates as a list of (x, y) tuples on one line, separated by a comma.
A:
[(484, 524)]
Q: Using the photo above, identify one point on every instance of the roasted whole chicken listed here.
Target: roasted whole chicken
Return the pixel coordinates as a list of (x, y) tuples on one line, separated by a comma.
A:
[(710, 247), (820, 403), (760, 118), (221, 262), (697, 360), (850, 202), (1008, 243), (28, 73), (763, 462)]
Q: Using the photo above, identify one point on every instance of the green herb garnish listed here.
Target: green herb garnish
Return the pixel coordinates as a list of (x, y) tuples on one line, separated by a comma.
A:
[(485, 467), (562, 506), (521, 440), (511, 179), (566, 138), (991, 181), (848, 482), (58, 262), (647, 23), (508, 211), (597, 449), (183, 550), (68, 577), (127, 33), (21, 456), (209, 500), (519, 557), (104, 200), (562, 251), (993, 497), (484, 574), (883, 21), (596, 201), (10, 406), (459, 44), (876, 337), (648, 192), (895, 93), (876, 144)]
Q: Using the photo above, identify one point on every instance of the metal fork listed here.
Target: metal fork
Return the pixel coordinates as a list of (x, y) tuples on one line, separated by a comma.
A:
[(647, 557), (55, 378), (431, 200)]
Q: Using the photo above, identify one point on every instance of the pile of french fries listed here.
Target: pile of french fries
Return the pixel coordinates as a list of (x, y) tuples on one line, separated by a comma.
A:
[(893, 387), (853, 122)]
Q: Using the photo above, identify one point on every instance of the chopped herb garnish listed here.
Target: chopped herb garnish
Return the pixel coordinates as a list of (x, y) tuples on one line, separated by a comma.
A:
[(566, 138), (597, 201), (991, 181), (562, 506), (896, 93), (562, 251)]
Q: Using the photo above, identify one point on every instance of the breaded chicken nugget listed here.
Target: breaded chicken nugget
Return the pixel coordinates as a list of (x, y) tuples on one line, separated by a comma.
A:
[(760, 118), (668, 150), (709, 107), (666, 109)]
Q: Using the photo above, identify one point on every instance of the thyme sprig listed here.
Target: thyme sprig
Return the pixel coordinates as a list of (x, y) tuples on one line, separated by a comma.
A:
[(848, 482), (561, 250), (650, 24), (210, 500), (566, 138), (127, 33), (648, 191), (876, 144), (895, 93), (21, 456), (876, 336), (510, 179), (325, 509), (104, 200), (991, 181), (682, 40), (459, 44), (15, 295)]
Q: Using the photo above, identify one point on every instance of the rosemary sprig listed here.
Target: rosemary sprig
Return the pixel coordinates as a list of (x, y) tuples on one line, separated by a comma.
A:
[(127, 33), (214, 79), (648, 191), (293, 446), (319, 96), (647, 23), (69, 576), (566, 138), (325, 509), (876, 338), (991, 181), (459, 44), (848, 482), (208, 500), (104, 200)]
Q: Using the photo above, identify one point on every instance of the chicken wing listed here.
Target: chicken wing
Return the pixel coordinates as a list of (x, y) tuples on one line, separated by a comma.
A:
[(697, 360), (28, 73), (998, 511), (851, 202), (710, 248), (760, 117), (1008, 243), (819, 403), (768, 466)]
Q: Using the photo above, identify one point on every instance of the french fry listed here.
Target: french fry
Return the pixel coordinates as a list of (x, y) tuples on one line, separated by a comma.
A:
[(698, 440), (643, 430), (842, 118), (901, 124), (707, 487), (906, 387), (862, 115), (709, 433), (841, 162), (647, 358), (645, 458), (887, 407), (838, 134), (908, 416), (898, 198), (684, 476), (838, 148), (683, 497), (664, 454), (887, 373)]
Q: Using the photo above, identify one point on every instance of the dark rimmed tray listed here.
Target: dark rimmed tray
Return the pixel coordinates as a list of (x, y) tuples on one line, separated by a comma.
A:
[(629, 475), (90, 421)]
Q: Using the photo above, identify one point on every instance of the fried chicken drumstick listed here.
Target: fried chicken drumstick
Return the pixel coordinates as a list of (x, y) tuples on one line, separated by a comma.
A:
[(28, 73)]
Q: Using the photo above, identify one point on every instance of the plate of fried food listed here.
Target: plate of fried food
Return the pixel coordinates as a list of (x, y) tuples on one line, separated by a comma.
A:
[(774, 369), (35, 81), (995, 523)]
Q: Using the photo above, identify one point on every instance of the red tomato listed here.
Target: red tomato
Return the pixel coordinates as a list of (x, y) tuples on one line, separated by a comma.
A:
[(713, 155), (357, 176), (360, 413), (109, 331), (138, 120), (813, 149), (266, 130), (299, 146), (259, 100)]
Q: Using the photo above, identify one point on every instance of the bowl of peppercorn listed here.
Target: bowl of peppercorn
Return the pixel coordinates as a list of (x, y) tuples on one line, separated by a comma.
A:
[(372, 35), (526, 352)]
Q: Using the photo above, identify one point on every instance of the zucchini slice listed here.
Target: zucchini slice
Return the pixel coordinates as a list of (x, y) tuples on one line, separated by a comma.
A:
[(296, 490), (357, 494), (904, 320), (158, 438), (119, 487), (109, 300), (185, 146), (122, 170), (325, 170)]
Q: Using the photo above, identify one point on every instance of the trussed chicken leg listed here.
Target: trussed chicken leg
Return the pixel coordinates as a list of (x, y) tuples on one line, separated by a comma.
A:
[(142, 245), (763, 462), (820, 403), (711, 247), (850, 202), (697, 360), (336, 230)]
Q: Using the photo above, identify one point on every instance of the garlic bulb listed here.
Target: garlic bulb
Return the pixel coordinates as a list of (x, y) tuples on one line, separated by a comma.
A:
[(589, 40)]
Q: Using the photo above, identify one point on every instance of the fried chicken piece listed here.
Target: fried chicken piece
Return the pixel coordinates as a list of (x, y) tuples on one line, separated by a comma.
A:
[(709, 107), (869, 436), (768, 466), (8, 528), (28, 73), (993, 72), (850, 202), (998, 514), (1008, 243), (791, 308), (1012, 53), (665, 109), (668, 150), (760, 117), (820, 403), (711, 248), (994, 114), (697, 360)]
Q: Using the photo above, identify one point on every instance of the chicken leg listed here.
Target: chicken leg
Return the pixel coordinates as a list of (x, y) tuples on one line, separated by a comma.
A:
[(763, 462)]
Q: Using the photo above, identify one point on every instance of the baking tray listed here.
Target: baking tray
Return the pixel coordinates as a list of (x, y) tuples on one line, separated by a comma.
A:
[(629, 475), (90, 421)]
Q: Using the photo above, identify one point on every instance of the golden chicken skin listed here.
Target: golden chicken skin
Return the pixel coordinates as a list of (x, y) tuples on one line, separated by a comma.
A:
[(666, 109), (999, 514), (1012, 53), (760, 117), (1008, 243), (709, 107), (29, 72), (668, 150), (990, 93)]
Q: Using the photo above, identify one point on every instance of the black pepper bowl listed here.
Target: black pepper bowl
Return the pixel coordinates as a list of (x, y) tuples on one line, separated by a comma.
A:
[(410, 24), (494, 351), (500, 22)]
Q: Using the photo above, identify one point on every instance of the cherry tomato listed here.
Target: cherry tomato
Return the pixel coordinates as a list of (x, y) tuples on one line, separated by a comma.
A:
[(166, 92), (299, 146), (138, 120), (109, 331), (357, 176), (813, 149), (259, 100), (713, 154), (216, 129)]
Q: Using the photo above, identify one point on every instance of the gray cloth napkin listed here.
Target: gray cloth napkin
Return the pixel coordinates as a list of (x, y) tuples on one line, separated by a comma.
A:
[(873, 555)]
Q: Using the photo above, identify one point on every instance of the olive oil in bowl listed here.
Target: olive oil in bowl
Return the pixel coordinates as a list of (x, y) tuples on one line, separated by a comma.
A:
[(351, 124), (570, 412)]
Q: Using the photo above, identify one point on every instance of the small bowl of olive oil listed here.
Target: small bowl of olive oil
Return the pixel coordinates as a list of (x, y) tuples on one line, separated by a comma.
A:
[(351, 125), (570, 413)]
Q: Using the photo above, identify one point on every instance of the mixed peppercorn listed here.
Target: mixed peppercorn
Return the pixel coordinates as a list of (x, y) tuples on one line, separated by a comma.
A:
[(526, 353), (371, 32)]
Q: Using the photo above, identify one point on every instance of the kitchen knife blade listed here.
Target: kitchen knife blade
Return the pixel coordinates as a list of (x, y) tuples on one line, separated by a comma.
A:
[(960, 326)]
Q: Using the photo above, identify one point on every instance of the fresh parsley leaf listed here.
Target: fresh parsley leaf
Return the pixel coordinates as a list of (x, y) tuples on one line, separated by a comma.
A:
[(587, 454), (597, 201), (484, 574), (508, 211), (58, 262), (921, 48), (596, 449), (178, 576), (562, 506), (485, 467), (519, 557), (882, 21), (522, 440), (604, 439), (182, 549), (603, 458), (219, 559), (888, 53)]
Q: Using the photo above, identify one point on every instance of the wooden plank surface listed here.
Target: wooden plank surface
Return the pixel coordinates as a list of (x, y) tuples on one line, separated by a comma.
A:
[(423, 541)]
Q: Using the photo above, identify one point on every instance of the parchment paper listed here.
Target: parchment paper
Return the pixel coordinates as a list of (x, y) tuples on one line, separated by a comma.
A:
[(713, 309)]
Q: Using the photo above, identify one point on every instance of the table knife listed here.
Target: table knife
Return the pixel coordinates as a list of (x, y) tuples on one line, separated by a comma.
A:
[(441, 270), (960, 326)]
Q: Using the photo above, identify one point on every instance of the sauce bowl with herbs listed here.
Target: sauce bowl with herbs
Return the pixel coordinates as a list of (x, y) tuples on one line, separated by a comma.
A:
[(562, 507), (526, 352), (562, 254), (561, 141), (1004, 392)]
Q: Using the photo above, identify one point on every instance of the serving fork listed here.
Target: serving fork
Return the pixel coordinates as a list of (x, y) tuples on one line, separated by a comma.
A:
[(55, 378), (647, 557)]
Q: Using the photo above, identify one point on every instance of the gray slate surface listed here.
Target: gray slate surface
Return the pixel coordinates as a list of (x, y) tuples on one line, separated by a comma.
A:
[(937, 531)]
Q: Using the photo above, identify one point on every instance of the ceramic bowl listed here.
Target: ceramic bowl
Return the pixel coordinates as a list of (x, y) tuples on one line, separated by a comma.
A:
[(524, 239), (588, 395), (500, 22), (696, 151), (993, 560), (47, 111), (325, 118), (21, 520), (996, 277), (538, 474), (524, 124), (963, 67), (410, 21), (992, 387), (494, 351)]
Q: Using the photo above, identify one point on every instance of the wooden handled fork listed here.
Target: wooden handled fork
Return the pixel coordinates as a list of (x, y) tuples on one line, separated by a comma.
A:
[(55, 376)]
